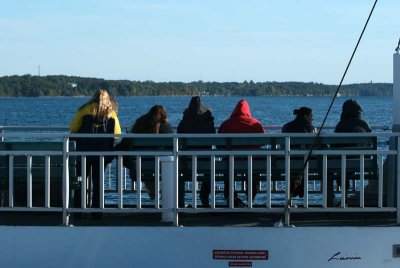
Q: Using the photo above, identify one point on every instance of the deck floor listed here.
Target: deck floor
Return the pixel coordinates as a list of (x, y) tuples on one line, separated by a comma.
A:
[(232, 219)]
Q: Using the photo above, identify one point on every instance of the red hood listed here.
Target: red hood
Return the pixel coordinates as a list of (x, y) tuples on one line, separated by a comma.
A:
[(241, 121), (241, 109)]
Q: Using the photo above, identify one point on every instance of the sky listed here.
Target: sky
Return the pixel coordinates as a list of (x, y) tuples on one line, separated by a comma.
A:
[(208, 40)]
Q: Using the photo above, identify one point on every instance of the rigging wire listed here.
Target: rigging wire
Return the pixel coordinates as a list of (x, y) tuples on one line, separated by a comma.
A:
[(299, 178)]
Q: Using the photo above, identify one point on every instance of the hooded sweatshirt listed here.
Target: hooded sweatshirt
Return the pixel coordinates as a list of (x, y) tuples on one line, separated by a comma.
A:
[(351, 118), (197, 118), (241, 121)]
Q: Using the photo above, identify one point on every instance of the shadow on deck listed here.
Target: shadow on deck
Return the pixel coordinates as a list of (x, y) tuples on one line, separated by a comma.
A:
[(229, 219)]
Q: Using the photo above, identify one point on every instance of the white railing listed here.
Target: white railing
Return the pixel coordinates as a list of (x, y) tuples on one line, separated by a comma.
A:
[(166, 173)]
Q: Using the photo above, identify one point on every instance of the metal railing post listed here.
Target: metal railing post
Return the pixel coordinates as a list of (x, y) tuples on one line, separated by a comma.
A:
[(194, 181), (157, 182), (398, 181), (175, 179), (139, 181), (250, 181), (169, 188), (232, 187), (47, 181), (84, 182), (325, 181), (287, 179), (11, 181), (343, 188), (65, 188), (29, 181), (269, 178), (380, 181), (102, 182), (212, 181), (120, 182)]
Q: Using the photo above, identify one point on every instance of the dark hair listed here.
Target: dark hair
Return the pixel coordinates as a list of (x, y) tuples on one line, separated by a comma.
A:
[(151, 121), (302, 111), (351, 109), (195, 108)]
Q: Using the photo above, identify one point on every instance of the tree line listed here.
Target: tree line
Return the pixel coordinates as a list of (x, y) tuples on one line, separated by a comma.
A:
[(61, 85)]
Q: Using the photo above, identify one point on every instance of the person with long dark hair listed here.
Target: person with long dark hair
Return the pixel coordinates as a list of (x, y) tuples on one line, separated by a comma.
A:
[(302, 123), (155, 121)]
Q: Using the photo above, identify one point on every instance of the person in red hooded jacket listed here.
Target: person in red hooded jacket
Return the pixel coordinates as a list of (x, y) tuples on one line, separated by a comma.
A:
[(240, 122)]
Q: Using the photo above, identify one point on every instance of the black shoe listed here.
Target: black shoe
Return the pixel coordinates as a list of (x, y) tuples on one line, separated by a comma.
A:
[(297, 189), (97, 215), (238, 203), (205, 202)]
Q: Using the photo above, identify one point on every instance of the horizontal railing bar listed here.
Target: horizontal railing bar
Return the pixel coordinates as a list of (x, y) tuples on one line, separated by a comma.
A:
[(223, 153), (281, 209), (202, 136), (33, 153), (116, 210), (202, 153), (31, 209), (123, 153), (292, 152), (196, 210)]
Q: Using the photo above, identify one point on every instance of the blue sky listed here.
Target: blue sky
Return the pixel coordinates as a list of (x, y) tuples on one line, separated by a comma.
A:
[(209, 40)]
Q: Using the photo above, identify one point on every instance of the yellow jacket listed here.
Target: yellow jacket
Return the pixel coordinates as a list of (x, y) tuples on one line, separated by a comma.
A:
[(77, 120)]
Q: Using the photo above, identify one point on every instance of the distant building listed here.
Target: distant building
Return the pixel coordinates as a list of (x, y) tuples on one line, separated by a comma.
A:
[(73, 85)]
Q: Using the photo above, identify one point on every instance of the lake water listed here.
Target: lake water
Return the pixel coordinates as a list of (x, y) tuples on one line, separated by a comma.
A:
[(58, 111)]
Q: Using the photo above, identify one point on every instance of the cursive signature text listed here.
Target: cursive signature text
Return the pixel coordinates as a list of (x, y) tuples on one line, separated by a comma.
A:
[(338, 257)]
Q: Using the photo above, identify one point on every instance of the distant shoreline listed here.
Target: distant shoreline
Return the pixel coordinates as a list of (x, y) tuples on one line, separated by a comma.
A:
[(74, 86)]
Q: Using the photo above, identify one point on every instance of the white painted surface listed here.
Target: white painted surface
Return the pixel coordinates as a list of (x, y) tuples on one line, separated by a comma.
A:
[(396, 91), (193, 246), (167, 167)]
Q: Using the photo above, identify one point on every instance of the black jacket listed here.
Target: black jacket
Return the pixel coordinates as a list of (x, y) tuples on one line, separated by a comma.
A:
[(298, 125), (196, 118), (127, 143), (351, 119), (349, 125)]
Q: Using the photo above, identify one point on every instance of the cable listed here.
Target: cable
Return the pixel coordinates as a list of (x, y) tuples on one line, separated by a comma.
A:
[(299, 178)]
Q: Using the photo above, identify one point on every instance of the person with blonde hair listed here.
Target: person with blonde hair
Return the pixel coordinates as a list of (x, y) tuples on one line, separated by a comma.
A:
[(96, 116)]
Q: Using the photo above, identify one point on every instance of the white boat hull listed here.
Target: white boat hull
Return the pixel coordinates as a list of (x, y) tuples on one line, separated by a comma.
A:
[(198, 247)]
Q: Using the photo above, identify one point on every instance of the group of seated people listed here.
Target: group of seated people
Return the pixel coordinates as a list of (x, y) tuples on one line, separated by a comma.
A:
[(99, 115)]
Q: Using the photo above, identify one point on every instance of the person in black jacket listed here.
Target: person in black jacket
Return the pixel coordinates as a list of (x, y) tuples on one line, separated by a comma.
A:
[(197, 118), (351, 118), (351, 121), (302, 122)]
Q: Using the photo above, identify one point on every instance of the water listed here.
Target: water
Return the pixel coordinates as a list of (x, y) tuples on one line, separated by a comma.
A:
[(58, 111)]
